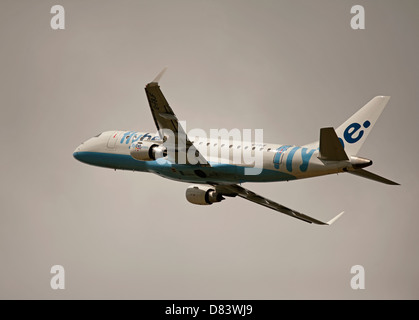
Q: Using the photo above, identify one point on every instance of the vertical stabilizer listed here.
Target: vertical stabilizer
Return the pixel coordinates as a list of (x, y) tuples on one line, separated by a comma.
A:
[(354, 131)]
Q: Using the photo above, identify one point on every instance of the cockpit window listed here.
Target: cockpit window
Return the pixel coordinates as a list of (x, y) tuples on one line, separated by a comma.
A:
[(97, 135)]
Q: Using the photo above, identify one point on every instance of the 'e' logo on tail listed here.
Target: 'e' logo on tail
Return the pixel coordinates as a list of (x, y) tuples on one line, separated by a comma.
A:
[(351, 130)]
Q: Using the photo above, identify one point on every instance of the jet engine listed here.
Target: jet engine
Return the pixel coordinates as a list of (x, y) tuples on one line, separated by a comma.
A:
[(147, 150), (203, 195)]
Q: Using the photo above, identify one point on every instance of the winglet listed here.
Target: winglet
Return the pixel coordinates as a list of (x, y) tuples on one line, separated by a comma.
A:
[(335, 218), (157, 79)]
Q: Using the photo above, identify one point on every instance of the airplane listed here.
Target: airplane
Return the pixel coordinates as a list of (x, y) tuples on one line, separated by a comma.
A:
[(217, 176)]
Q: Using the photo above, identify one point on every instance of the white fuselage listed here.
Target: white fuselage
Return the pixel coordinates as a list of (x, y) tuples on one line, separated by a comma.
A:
[(230, 161)]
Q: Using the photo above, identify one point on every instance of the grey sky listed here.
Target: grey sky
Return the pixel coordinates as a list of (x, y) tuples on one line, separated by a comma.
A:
[(289, 67)]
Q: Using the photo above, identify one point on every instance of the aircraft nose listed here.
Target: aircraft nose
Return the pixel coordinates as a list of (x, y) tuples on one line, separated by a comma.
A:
[(76, 153)]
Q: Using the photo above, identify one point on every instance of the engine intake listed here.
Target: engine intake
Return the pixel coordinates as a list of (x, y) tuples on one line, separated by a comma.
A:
[(147, 151), (202, 195)]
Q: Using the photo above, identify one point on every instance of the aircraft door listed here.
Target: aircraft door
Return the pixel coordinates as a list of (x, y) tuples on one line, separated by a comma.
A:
[(112, 140)]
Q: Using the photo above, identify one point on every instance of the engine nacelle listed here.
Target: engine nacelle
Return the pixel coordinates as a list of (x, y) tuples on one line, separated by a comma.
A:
[(147, 151), (203, 195)]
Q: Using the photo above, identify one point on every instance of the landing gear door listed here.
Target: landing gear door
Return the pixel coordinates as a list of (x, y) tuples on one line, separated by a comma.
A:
[(112, 140)]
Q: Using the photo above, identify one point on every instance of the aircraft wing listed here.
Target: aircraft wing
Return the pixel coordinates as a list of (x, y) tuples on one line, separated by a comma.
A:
[(168, 125), (236, 190)]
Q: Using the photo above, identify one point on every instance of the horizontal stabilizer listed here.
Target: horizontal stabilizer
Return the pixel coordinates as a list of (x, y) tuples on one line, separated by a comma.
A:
[(372, 176), (331, 148)]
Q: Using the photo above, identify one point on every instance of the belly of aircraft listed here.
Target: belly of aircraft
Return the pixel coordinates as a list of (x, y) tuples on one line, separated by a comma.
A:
[(217, 173)]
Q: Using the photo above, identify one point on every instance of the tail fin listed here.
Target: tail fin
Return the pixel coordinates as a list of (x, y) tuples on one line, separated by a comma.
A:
[(354, 131)]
